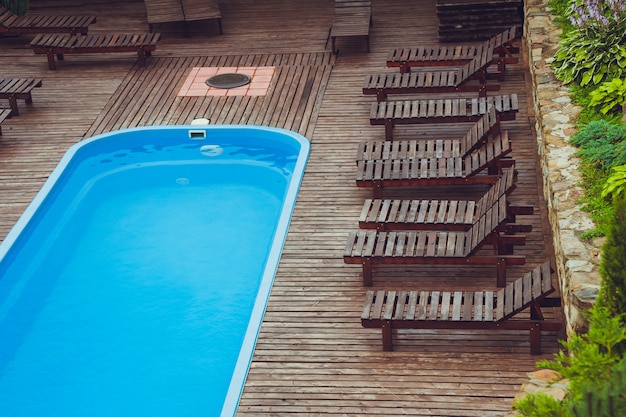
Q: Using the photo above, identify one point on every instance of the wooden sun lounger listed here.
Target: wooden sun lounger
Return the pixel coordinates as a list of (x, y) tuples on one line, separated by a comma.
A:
[(50, 45), (353, 18), (415, 172), (450, 215), (4, 114), (478, 310), (455, 55), (435, 81), (14, 89), (437, 247), (166, 11), (487, 124), (10, 23), (391, 113)]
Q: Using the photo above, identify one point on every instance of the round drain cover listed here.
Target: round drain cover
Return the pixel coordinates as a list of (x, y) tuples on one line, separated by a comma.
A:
[(228, 80)]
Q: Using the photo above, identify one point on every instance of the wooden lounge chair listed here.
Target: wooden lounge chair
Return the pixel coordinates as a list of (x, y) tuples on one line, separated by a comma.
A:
[(391, 113), (455, 55), (353, 18), (13, 89), (50, 45), (451, 215), (479, 310), (435, 81), (487, 124), (166, 11), (437, 247), (10, 23), (4, 114), (415, 172)]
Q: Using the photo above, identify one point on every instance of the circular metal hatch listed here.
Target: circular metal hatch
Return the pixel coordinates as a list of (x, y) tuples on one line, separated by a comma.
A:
[(230, 80)]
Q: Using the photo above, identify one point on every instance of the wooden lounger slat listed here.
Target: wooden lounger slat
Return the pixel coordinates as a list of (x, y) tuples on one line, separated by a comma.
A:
[(380, 173), (59, 45), (432, 246), (459, 310), (434, 81), (394, 112), (11, 23), (13, 89), (164, 11)]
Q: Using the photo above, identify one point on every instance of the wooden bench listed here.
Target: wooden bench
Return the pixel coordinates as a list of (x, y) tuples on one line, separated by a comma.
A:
[(455, 55), (454, 110), (50, 45), (389, 310), (4, 114), (13, 89), (437, 247), (415, 172), (353, 18), (165, 11), (435, 81), (452, 215), (10, 23)]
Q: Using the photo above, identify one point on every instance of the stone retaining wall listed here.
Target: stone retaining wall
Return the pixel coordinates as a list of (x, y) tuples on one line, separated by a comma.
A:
[(576, 260)]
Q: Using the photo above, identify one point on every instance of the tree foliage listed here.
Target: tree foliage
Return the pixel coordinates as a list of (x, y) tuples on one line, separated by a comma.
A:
[(19, 7)]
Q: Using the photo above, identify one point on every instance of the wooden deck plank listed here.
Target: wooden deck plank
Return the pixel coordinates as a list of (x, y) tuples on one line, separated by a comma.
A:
[(312, 355)]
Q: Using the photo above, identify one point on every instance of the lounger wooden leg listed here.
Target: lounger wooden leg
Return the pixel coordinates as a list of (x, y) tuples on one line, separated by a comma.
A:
[(219, 24), (535, 311), (535, 339), (377, 187), (381, 96), (367, 272), (367, 40), (333, 40), (51, 64), (501, 273), (389, 123), (141, 58), (387, 336), (13, 105)]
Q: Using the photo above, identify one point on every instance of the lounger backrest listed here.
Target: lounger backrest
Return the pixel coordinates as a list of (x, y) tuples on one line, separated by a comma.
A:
[(483, 156), (488, 123), (4, 15), (498, 189), (519, 294), (502, 38)]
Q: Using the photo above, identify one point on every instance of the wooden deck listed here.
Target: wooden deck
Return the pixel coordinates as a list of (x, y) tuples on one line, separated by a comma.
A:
[(312, 357)]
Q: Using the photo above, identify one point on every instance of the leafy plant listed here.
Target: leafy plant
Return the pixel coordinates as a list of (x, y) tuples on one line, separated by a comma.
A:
[(19, 7), (613, 266), (609, 95), (593, 50), (606, 400), (616, 183), (540, 405), (589, 364)]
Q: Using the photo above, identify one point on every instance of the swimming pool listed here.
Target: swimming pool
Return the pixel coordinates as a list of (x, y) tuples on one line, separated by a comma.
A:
[(136, 281)]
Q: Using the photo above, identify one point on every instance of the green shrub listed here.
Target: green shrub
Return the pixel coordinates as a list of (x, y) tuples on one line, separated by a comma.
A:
[(602, 146), (613, 266), (605, 400), (609, 96), (19, 7), (540, 405), (589, 364), (616, 183), (592, 49), (590, 57)]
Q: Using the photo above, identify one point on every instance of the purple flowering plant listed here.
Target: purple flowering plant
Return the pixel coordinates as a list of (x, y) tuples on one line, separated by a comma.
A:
[(593, 49)]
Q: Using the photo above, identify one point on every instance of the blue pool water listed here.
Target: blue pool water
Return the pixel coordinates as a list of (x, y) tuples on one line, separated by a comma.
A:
[(136, 281)]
